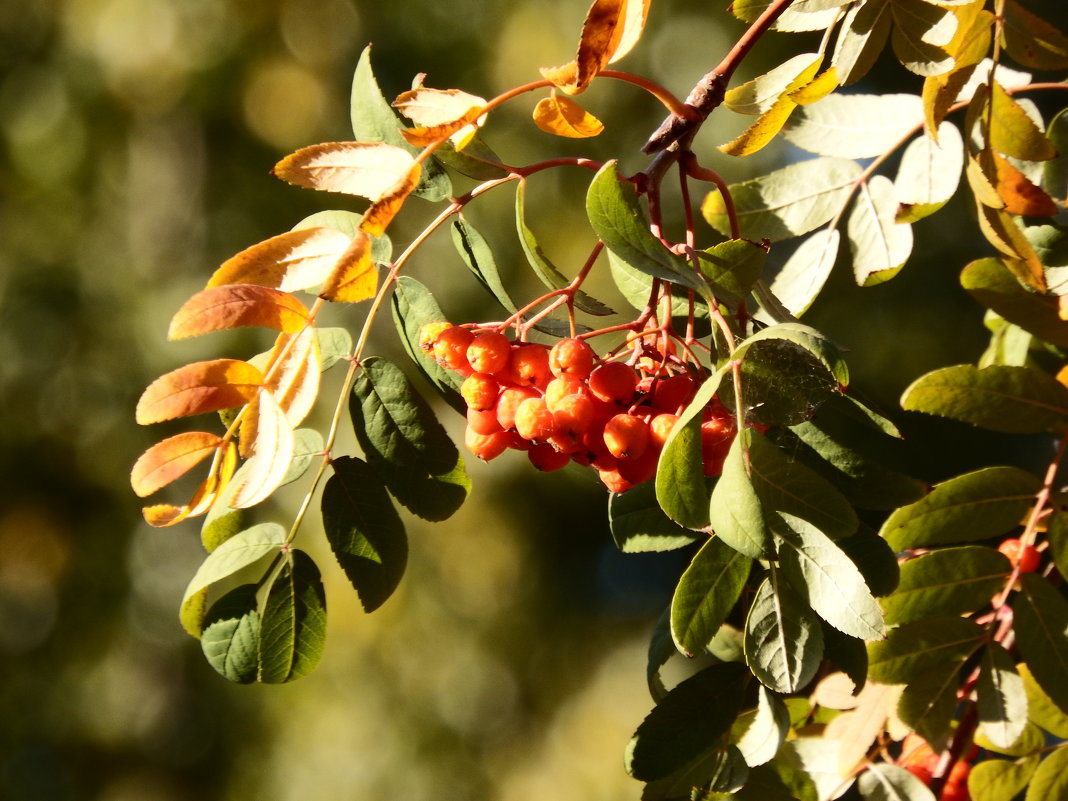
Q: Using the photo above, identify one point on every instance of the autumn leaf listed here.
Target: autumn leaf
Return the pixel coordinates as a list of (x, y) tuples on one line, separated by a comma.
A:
[(440, 114), (236, 305), (1019, 194), (381, 213), (171, 459), (355, 276), (368, 169), (294, 374), (610, 31), (564, 117), (291, 261), (271, 451), (165, 514), (199, 388)]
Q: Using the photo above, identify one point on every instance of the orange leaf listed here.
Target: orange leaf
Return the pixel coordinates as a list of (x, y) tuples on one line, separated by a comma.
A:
[(272, 452), (611, 29), (1020, 195), (431, 107), (381, 213), (366, 169), (170, 459), (294, 370), (459, 132), (355, 277), (198, 388), (164, 514), (291, 261), (564, 117), (235, 305)]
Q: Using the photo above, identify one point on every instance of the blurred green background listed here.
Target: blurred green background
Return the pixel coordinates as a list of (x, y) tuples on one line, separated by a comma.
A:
[(136, 137)]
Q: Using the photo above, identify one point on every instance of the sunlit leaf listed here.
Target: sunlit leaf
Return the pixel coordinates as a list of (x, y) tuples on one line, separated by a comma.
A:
[(1042, 635), (736, 513), (1012, 400), (880, 245), (929, 174), (381, 213), (914, 648), (783, 640), (687, 722), (611, 29), (765, 729), (364, 531), (1041, 710), (854, 126), (706, 594), (1055, 171), (1001, 779), (921, 30), (198, 388), (800, 280), (802, 15), (816, 89), (236, 305), (271, 450), (771, 121), (862, 38), (855, 730), (1031, 740), (1001, 231), (477, 255), (440, 114), (1002, 699), (354, 276), (562, 116), (946, 581), (928, 703), (760, 94), (230, 639), (1051, 778), (974, 506), (294, 377), (293, 624), (992, 284), (1032, 40), (170, 459), (1013, 132), (1019, 194), (639, 525), (292, 261), (882, 782), (367, 169), (732, 268), (787, 202)]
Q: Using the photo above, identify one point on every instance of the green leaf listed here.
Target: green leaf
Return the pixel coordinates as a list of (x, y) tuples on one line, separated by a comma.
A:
[(431, 497), (543, 268), (639, 525), (732, 268), (787, 202), (1013, 132), (1041, 625), (690, 720), (661, 649), (826, 578), (230, 639), (879, 244), (854, 126), (800, 280), (818, 759), (862, 38), (777, 782), (736, 514), (374, 120), (413, 307), (802, 15), (476, 254), (1057, 534), (348, 222), (806, 338), (929, 173), (882, 782), (1051, 779), (914, 648), (1031, 740), (874, 558), (760, 94), (335, 344), (243, 549), (706, 594), (765, 729), (947, 581), (848, 654), (783, 640), (1040, 707), (1002, 699), (477, 159), (920, 29), (293, 628), (719, 767), (1050, 242), (992, 284), (1055, 171), (975, 506), (393, 421), (929, 701), (1001, 779), (620, 222), (364, 531), (789, 486)]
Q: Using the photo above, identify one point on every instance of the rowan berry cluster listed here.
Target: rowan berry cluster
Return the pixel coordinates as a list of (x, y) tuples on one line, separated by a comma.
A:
[(563, 404), (919, 759)]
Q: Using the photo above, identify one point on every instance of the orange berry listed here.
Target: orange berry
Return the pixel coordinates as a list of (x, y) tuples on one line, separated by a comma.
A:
[(639, 470), (429, 334), (660, 427), (450, 348), (533, 420), (486, 446), (614, 382), (574, 414), (571, 357), (480, 391), (546, 458), (559, 388), (529, 366), (612, 479), (1027, 556), (673, 393), (627, 436), (484, 421), (489, 352), (509, 401)]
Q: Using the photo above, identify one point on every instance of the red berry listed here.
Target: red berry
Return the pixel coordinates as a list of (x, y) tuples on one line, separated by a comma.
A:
[(660, 427), (486, 446), (529, 366), (571, 357), (627, 436), (1027, 556), (641, 469), (559, 388), (574, 414), (615, 383), (546, 458), (613, 480), (673, 393), (483, 421), (480, 391), (450, 347), (533, 420), (509, 401), (429, 334), (489, 352)]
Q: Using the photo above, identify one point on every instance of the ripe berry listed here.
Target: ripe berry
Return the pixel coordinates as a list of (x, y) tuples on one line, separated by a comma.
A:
[(614, 382), (529, 366), (429, 334), (639, 470), (489, 352), (571, 357), (546, 458), (483, 421), (509, 401), (1027, 556), (673, 393), (533, 420), (562, 386), (613, 480), (450, 347), (660, 427), (486, 446), (574, 414), (626, 436), (480, 391)]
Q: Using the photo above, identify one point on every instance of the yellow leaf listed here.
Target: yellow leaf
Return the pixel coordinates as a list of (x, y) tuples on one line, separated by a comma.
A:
[(366, 169), (1062, 312), (771, 121), (1001, 231), (1013, 133), (198, 388), (816, 89), (982, 182), (610, 31), (971, 42), (939, 94), (429, 107), (564, 117), (294, 374), (272, 452), (355, 276), (381, 213), (1020, 195), (236, 305), (291, 261), (171, 459), (164, 514)]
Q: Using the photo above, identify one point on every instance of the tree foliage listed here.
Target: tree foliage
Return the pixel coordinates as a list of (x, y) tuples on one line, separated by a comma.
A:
[(832, 602)]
